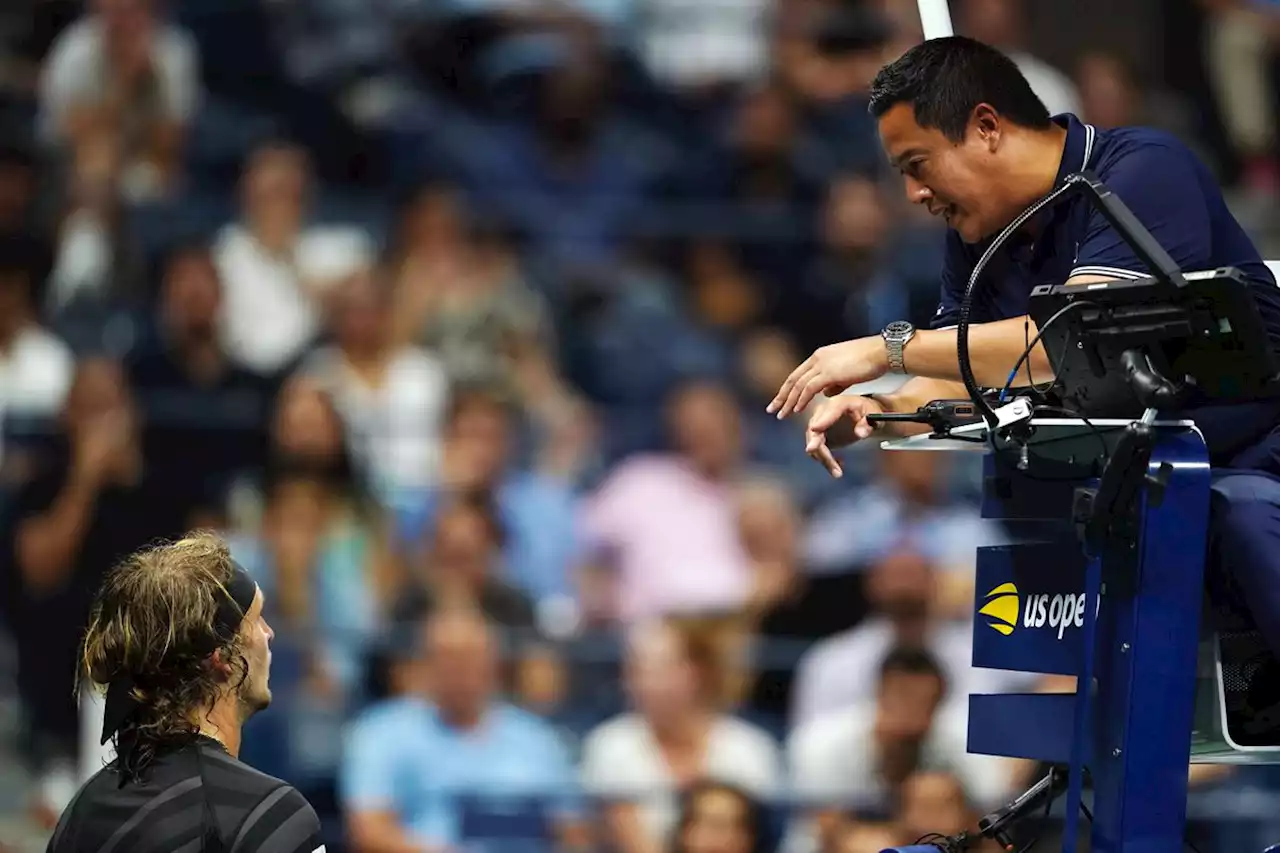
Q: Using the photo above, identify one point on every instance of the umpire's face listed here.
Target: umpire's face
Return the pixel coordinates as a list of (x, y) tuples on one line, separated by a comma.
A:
[(255, 693), (961, 181)]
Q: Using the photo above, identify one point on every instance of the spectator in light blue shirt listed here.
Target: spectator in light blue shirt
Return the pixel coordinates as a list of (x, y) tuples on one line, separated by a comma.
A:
[(421, 774)]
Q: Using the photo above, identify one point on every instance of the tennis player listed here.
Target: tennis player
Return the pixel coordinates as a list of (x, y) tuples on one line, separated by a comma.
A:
[(178, 642)]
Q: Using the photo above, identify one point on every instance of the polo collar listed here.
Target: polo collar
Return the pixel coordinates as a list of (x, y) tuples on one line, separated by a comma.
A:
[(1078, 153)]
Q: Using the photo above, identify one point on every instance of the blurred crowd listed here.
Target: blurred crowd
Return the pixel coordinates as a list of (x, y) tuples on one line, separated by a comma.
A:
[(458, 319)]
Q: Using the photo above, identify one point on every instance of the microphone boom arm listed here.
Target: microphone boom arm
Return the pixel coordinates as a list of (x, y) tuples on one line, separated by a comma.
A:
[(996, 825)]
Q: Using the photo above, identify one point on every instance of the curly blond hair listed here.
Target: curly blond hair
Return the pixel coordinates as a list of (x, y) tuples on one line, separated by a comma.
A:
[(153, 622)]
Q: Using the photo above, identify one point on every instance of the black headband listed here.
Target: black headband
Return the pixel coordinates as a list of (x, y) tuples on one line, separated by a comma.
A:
[(240, 591)]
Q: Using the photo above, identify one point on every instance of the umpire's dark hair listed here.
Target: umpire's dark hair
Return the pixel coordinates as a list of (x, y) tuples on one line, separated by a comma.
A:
[(910, 660), (945, 79)]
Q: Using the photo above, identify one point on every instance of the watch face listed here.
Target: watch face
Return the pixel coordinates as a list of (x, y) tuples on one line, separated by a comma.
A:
[(898, 329)]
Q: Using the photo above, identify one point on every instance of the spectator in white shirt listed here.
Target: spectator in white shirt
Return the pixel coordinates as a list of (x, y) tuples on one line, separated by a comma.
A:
[(638, 762), (121, 74), (859, 757), (275, 267), (392, 397), (840, 672), (35, 367)]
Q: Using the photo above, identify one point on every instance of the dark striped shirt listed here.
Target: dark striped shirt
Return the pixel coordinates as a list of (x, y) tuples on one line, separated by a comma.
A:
[(194, 799)]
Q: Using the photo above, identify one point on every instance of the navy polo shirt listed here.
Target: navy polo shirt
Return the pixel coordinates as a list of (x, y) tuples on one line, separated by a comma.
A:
[(1170, 192)]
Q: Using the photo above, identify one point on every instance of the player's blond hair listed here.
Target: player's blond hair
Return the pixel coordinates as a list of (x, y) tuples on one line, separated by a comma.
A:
[(153, 622)]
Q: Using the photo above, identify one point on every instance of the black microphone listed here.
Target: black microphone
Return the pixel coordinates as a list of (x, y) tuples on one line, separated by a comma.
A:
[(997, 824)]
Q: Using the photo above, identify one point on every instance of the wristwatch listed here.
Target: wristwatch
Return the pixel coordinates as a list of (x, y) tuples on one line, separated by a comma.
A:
[(896, 335)]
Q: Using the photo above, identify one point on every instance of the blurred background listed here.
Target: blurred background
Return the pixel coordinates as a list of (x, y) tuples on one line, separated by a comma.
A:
[(459, 318)]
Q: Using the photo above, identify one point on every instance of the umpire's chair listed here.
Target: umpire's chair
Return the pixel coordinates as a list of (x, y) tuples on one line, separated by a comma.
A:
[(1232, 654)]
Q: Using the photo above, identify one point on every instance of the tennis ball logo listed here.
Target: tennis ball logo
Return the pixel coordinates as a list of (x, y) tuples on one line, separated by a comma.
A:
[(1001, 608)]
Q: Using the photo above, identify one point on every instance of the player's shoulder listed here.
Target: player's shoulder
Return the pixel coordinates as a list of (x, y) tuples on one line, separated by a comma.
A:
[(280, 821), (224, 776)]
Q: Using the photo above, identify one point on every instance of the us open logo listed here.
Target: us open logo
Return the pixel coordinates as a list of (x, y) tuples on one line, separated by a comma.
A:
[(1001, 608), (1056, 612)]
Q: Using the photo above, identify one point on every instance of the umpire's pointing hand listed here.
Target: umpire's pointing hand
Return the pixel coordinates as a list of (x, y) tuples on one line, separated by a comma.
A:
[(830, 370), (836, 423)]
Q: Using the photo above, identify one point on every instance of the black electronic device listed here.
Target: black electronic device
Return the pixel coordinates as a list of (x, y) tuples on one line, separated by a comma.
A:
[(1132, 348), (941, 416), (1175, 338), (1118, 348)]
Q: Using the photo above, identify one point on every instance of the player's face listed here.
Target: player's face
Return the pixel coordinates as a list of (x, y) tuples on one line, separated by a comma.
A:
[(953, 180), (255, 694)]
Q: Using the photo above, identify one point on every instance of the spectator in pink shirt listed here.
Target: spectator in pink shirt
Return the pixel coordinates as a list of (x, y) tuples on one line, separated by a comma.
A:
[(662, 528)]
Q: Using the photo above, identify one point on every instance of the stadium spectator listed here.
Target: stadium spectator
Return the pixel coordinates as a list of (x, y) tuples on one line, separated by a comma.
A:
[(392, 396), (660, 530), (461, 291), (321, 562), (765, 190), (937, 801), (903, 589), (720, 818), (637, 763), (410, 762), (907, 505), (192, 393), (1241, 37), (320, 558), (35, 366), (541, 684), (537, 508), (860, 757), (274, 264), (571, 173), (98, 266), (828, 58), (90, 501), (1109, 94), (458, 565), (1002, 24), (123, 78), (791, 608), (305, 437), (726, 297), (862, 276)]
